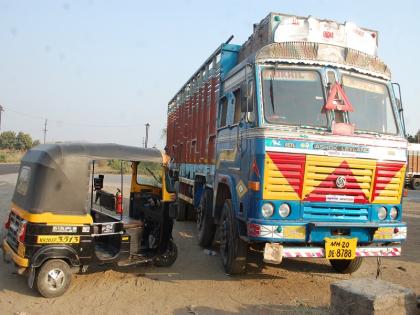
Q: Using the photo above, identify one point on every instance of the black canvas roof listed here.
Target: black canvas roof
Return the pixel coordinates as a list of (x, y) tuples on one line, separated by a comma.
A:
[(55, 177)]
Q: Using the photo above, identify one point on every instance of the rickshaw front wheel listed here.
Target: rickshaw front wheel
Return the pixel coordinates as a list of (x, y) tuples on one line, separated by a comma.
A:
[(169, 257), (53, 278)]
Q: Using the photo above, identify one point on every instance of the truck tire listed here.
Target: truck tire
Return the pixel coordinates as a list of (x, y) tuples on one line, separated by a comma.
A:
[(346, 266), (233, 250), (182, 210), (415, 183), (205, 223), (53, 278), (181, 205)]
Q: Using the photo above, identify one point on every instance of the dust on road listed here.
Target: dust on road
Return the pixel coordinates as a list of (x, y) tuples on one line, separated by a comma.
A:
[(196, 284)]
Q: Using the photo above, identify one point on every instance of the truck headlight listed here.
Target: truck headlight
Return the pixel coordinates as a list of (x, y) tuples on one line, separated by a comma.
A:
[(267, 210), (393, 213), (382, 213), (284, 210)]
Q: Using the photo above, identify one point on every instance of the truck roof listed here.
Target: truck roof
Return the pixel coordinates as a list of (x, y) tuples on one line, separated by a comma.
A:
[(280, 27)]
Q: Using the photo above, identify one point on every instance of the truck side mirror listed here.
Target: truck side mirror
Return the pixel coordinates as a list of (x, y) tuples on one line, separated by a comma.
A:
[(244, 98), (247, 94)]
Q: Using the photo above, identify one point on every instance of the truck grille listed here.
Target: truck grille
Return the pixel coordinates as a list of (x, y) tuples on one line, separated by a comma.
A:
[(328, 213), (322, 172), (283, 176), (389, 182), (12, 232)]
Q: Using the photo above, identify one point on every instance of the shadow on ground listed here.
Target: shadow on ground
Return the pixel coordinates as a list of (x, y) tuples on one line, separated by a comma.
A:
[(252, 310)]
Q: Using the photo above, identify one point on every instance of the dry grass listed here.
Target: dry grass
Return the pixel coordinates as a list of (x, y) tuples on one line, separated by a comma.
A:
[(9, 156)]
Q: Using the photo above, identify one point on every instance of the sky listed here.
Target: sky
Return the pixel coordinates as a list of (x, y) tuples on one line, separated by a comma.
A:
[(100, 70)]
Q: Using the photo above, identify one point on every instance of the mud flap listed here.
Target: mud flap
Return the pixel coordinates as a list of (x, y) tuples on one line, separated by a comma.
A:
[(31, 277), (273, 253)]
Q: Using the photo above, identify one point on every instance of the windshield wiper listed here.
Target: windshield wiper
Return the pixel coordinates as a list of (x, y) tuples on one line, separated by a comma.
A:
[(272, 90), (312, 127), (368, 132)]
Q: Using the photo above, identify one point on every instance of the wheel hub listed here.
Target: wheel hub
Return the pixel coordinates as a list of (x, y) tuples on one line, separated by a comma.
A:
[(55, 279)]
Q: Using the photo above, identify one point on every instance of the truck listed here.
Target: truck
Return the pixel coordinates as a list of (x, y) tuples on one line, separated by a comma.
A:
[(292, 145), (413, 168)]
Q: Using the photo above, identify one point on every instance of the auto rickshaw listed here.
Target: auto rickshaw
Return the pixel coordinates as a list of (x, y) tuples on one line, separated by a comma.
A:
[(53, 229)]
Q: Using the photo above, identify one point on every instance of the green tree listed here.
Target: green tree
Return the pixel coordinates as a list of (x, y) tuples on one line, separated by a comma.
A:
[(415, 138), (23, 141), (7, 140)]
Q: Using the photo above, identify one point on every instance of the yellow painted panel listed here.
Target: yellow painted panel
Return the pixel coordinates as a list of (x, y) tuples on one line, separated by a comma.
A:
[(276, 186), (51, 218), (294, 232)]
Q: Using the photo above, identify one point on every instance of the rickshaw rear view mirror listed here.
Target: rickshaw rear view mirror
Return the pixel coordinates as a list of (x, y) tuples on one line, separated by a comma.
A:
[(169, 182)]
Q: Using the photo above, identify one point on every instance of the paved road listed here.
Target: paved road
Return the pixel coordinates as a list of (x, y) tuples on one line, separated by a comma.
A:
[(9, 168), (413, 195)]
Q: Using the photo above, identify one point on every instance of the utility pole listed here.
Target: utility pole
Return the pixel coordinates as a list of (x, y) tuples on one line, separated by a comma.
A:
[(45, 130), (147, 135), (1, 110)]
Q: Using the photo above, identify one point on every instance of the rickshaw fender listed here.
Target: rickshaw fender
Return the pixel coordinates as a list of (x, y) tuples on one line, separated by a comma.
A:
[(64, 252)]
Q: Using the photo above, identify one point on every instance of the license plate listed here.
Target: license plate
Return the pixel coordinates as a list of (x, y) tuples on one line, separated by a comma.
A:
[(340, 248), (58, 239)]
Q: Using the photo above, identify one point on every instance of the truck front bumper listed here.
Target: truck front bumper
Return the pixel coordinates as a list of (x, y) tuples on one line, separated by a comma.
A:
[(314, 233), (365, 251)]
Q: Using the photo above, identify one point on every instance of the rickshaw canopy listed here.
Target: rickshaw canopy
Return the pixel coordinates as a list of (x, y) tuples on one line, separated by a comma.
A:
[(55, 177)]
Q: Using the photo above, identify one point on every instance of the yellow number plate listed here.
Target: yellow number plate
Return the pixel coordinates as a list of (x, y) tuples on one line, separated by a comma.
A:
[(384, 233), (58, 239), (340, 248)]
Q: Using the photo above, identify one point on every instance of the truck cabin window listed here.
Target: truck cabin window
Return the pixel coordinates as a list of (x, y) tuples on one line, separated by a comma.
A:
[(150, 174), (373, 110), (293, 97)]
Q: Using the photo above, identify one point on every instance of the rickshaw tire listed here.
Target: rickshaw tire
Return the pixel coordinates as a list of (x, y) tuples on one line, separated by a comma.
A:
[(346, 266), (42, 278), (167, 262)]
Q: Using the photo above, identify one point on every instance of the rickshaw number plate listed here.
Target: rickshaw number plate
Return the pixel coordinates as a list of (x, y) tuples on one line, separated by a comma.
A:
[(58, 239), (340, 248)]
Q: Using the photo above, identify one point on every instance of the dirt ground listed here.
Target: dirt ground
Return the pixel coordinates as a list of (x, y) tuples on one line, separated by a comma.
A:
[(196, 284)]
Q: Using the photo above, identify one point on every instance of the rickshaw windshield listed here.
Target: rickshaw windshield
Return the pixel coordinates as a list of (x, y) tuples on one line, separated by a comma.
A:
[(149, 173)]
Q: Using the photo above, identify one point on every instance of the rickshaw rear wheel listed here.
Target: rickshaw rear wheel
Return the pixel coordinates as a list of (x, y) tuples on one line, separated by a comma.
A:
[(169, 257), (53, 278)]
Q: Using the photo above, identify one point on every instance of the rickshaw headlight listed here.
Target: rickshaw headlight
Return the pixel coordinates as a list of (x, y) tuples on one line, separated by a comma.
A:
[(267, 210), (382, 213)]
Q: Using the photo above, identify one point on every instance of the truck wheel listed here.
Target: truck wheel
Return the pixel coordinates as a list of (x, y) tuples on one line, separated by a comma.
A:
[(415, 183), (169, 257), (205, 224), (182, 210), (345, 265), (233, 250), (53, 278)]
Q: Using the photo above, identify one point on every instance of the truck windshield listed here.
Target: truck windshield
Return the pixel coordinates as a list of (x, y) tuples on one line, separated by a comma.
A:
[(372, 105), (293, 97)]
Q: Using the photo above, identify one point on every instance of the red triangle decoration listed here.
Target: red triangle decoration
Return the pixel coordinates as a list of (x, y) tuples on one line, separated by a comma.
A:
[(338, 100), (327, 186)]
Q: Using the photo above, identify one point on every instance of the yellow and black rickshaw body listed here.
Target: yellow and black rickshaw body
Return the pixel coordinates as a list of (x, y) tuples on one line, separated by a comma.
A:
[(50, 221)]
